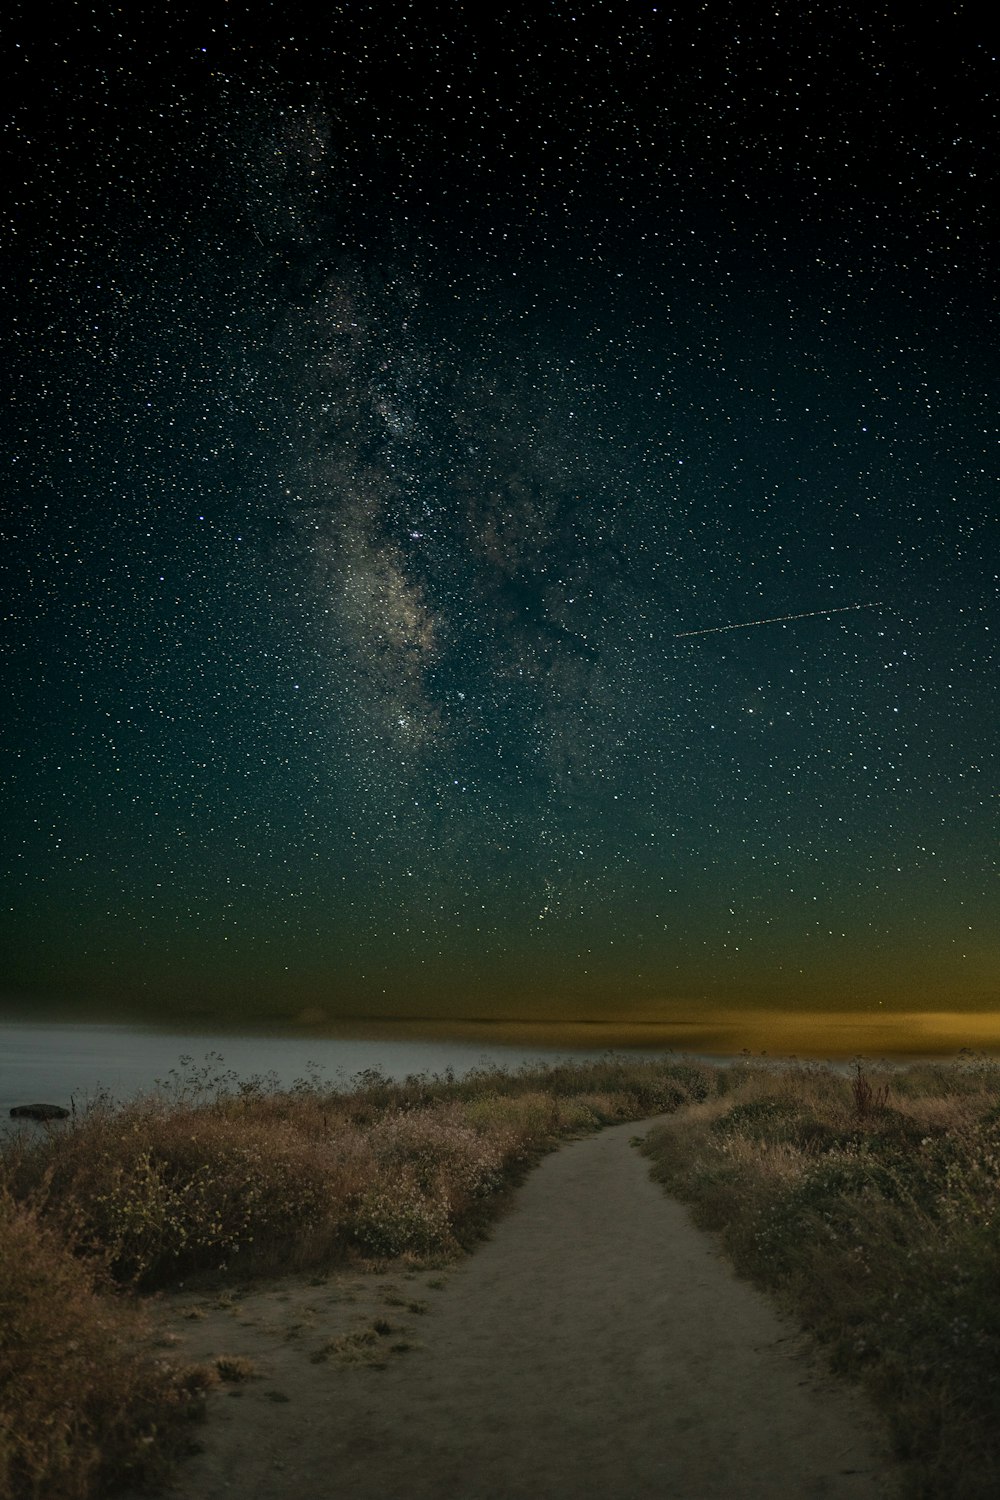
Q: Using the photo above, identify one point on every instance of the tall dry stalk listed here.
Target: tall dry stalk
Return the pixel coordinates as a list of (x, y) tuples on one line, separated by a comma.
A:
[(866, 1098)]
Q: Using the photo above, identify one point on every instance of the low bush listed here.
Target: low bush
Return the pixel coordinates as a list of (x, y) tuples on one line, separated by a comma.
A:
[(160, 1191), (874, 1214), (397, 1216), (80, 1410)]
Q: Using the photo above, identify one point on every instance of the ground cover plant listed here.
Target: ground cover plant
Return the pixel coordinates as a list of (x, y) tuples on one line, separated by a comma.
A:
[(214, 1174), (869, 1203)]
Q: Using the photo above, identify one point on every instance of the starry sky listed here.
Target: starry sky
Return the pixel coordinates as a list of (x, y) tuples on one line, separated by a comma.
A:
[(396, 407)]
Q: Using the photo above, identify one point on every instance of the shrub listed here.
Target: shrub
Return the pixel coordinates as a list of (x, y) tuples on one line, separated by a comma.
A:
[(395, 1217), (161, 1192), (880, 1227), (440, 1150), (79, 1409), (758, 1120), (522, 1122)]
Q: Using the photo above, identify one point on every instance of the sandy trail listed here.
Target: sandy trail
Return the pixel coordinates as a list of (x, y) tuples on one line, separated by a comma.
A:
[(596, 1348)]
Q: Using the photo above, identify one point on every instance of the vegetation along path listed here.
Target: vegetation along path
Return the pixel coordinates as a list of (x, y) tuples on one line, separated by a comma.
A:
[(596, 1346)]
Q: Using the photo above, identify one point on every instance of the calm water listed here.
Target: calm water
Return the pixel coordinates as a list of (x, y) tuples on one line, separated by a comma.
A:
[(66, 1063), (70, 1063)]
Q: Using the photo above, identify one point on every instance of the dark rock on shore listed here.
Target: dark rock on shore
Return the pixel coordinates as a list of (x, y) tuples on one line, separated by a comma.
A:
[(39, 1112)]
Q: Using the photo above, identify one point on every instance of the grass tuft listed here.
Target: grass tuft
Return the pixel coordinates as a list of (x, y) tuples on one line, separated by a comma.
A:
[(235, 1368)]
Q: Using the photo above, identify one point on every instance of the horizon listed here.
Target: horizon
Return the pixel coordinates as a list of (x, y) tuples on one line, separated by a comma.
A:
[(792, 1036)]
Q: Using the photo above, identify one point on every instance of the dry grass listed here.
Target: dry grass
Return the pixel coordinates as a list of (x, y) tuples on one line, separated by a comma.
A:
[(871, 1206), (79, 1409), (216, 1175)]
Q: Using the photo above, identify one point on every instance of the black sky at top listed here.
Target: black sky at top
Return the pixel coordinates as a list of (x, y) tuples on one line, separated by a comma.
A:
[(387, 393)]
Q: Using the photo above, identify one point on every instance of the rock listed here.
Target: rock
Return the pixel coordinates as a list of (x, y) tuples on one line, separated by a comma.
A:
[(39, 1112)]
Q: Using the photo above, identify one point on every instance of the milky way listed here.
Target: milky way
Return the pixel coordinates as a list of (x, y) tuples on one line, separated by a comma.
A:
[(391, 401)]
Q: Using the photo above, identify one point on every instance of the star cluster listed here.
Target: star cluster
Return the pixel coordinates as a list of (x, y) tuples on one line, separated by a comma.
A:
[(397, 407)]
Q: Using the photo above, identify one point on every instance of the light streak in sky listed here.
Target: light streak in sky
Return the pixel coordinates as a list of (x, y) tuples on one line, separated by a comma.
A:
[(808, 614)]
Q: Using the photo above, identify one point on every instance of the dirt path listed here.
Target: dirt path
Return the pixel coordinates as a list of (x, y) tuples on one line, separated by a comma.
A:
[(596, 1348)]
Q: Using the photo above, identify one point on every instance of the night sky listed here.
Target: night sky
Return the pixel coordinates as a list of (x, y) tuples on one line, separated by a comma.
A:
[(395, 408)]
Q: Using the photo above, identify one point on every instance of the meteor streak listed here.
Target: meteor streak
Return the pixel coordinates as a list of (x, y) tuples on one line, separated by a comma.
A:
[(808, 614)]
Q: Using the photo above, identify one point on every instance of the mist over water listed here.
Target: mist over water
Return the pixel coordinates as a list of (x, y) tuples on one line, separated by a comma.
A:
[(68, 1063), (74, 1064)]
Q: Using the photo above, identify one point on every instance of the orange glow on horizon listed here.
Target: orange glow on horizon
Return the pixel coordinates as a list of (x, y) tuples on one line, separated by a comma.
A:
[(820, 1034)]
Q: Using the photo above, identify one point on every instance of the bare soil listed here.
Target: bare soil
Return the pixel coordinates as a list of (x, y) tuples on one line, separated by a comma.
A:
[(597, 1347)]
